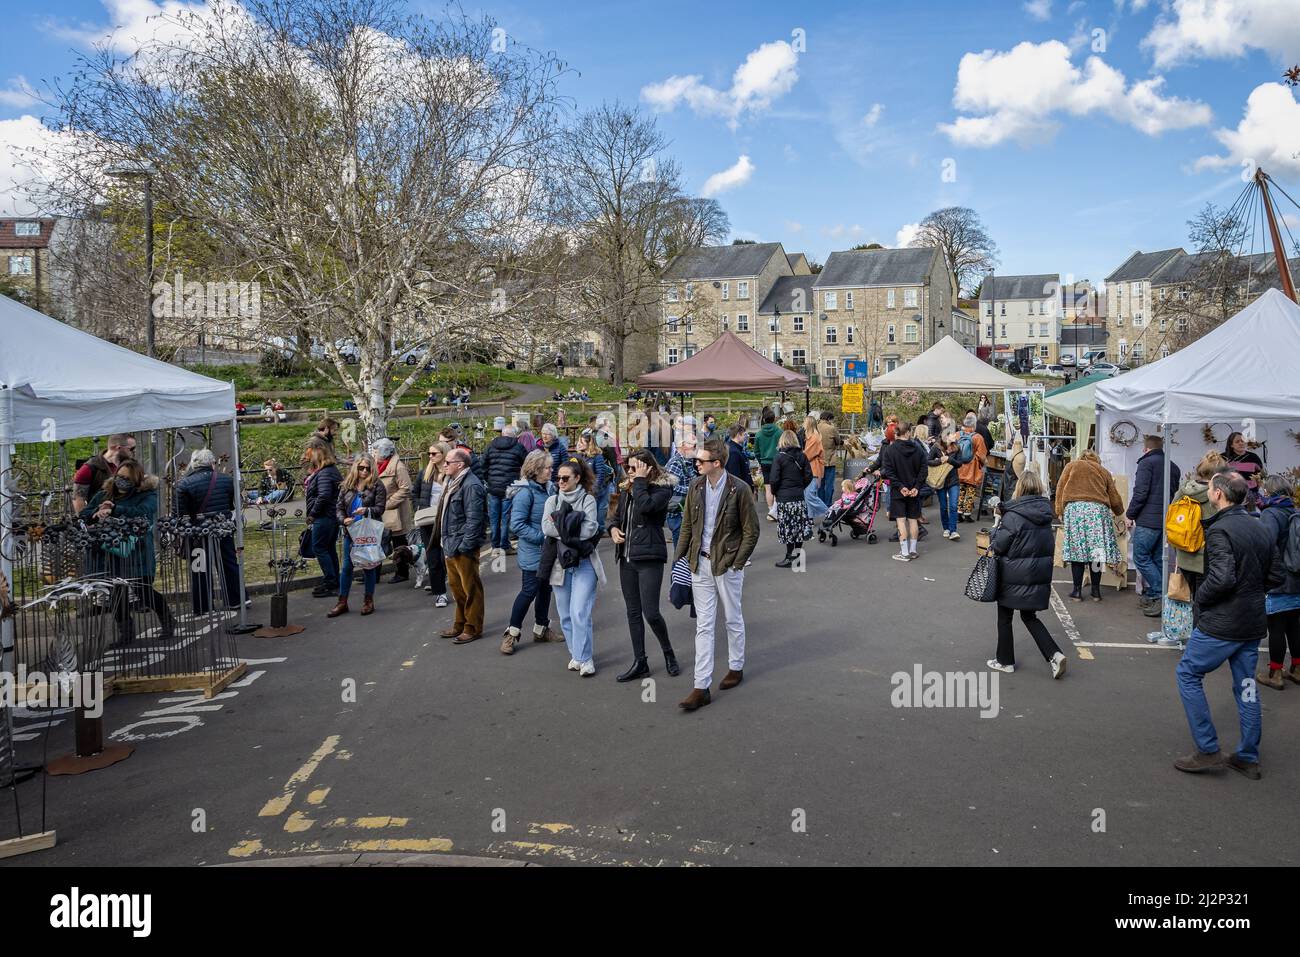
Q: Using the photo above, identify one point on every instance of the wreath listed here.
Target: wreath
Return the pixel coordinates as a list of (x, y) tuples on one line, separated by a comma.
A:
[(1124, 433)]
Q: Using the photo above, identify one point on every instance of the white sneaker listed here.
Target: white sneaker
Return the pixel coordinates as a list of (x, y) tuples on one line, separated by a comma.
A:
[(900, 557), (996, 665), (440, 601), (1058, 664), (573, 665), (954, 537), (588, 669), (947, 534), (428, 589), (1166, 642)]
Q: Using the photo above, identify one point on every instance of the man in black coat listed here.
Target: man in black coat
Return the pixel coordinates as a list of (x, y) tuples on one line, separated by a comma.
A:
[(501, 465), (737, 461), (1146, 519), (206, 492), (904, 466), (1228, 621)]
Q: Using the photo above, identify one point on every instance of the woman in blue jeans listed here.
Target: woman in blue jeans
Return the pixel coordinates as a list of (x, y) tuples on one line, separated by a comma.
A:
[(602, 483), (362, 495), (321, 488), (570, 560), (943, 479), (527, 499)]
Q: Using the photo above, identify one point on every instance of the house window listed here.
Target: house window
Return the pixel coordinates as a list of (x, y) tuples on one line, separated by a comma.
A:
[(848, 300), (774, 324), (27, 228), (831, 300), (988, 331), (875, 369), (690, 324), (1003, 312), (831, 368), (912, 332), (672, 324), (799, 357), (1042, 351), (988, 310), (1042, 329), (889, 299), (1031, 330), (742, 323), (832, 335), (909, 298), (672, 295), (20, 265), (690, 291), (724, 322), (1135, 289), (1042, 308), (672, 356), (688, 352), (726, 290), (848, 336), (798, 323), (891, 335), (742, 289)]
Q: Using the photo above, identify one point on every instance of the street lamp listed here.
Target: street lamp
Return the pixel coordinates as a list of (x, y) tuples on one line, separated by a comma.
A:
[(776, 328), (145, 172)]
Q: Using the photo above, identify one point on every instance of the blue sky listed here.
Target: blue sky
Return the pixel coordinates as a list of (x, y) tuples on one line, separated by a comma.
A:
[(856, 119)]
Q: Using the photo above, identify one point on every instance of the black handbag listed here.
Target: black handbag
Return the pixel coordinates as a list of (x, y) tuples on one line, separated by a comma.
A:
[(305, 549), (983, 582)]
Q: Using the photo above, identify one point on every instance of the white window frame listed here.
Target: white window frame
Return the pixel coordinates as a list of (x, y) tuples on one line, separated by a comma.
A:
[(848, 335), (830, 368), (912, 333), (17, 269), (798, 323), (848, 299), (798, 357), (1031, 329), (832, 335), (726, 290), (690, 291), (910, 298), (672, 294), (1043, 351), (830, 299), (672, 355), (742, 289), (1003, 310), (891, 334), (889, 299), (742, 323), (1042, 330), (773, 324), (1004, 330), (27, 227), (673, 322)]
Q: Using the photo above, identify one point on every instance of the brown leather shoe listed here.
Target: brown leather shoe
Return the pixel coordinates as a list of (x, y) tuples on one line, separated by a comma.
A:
[(508, 642), (731, 679), (450, 633), (696, 699), (1271, 678), (1292, 673), (547, 635), (464, 638), (1198, 762), (340, 609), (368, 605)]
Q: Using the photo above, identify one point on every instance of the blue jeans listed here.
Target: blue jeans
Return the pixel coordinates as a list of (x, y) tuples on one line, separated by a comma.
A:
[(1149, 560), (1202, 655), (602, 506), (828, 486), (948, 505), (533, 591), (574, 600), (324, 543), (499, 520), (371, 575), (674, 523)]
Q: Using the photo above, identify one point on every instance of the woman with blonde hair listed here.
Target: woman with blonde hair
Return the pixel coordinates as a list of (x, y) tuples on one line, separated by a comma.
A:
[(362, 495), (1197, 487), (425, 493), (527, 498), (791, 474), (1086, 500), (1023, 544), (321, 490)]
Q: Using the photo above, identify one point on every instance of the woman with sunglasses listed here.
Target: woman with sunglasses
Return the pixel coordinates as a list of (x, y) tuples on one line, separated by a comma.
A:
[(362, 495), (569, 558), (425, 492)]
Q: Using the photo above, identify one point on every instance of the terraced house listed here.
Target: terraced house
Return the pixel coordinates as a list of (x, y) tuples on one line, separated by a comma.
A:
[(1129, 305), (882, 305), (25, 259), (1022, 312), (712, 288)]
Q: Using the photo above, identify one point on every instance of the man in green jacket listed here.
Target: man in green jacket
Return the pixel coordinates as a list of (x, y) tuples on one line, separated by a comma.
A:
[(765, 443)]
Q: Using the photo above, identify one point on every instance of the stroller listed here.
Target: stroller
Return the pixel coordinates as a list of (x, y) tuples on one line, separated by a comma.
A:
[(858, 515)]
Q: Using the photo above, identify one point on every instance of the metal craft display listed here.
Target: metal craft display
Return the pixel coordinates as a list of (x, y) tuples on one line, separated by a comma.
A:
[(284, 562)]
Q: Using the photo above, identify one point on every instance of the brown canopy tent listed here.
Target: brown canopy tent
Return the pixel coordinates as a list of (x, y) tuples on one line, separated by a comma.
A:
[(725, 365)]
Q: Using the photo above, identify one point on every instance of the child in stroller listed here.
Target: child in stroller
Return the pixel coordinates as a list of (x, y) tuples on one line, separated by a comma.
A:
[(855, 509)]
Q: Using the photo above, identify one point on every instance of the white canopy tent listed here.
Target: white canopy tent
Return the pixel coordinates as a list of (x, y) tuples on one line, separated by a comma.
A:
[(948, 367), (1242, 377), (59, 383)]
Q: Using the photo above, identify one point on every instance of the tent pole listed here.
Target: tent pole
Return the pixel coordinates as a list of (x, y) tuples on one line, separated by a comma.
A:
[(1167, 447), (807, 409), (239, 518), (7, 649)]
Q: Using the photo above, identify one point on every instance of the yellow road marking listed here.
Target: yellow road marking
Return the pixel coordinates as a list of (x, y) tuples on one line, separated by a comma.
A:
[(278, 805), (377, 822), (552, 828), (245, 849), (1084, 653), (317, 796), (407, 664), (297, 822), (401, 844)]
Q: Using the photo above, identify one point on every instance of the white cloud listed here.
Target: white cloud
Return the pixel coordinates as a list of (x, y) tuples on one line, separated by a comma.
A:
[(737, 174), (18, 94), (1039, 9), (793, 227), (1268, 134), (1018, 93), (19, 170), (767, 74), (131, 23), (873, 115), (906, 234), (1223, 28)]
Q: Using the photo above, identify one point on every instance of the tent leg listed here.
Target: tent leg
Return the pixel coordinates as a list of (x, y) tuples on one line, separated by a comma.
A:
[(7, 647), (806, 400), (243, 627)]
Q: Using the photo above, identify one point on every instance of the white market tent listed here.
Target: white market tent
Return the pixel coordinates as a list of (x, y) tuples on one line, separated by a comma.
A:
[(1242, 377), (948, 367), (58, 383), (1077, 403)]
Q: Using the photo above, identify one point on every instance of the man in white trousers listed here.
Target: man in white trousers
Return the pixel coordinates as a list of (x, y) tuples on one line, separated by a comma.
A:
[(719, 532)]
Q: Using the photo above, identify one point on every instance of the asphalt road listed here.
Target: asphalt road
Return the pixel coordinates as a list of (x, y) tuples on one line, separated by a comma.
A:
[(464, 750)]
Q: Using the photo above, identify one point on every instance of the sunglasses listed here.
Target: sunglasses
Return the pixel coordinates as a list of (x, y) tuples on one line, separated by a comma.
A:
[(363, 468), (568, 478)]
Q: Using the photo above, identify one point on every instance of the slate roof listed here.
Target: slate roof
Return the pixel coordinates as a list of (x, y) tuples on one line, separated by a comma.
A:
[(1141, 265), (721, 262), (1020, 287), (876, 267), (1084, 335), (783, 293)]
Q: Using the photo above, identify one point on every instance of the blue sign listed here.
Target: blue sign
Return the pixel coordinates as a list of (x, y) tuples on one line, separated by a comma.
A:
[(855, 370)]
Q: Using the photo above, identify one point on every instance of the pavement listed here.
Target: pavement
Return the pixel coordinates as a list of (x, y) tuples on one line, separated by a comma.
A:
[(373, 736)]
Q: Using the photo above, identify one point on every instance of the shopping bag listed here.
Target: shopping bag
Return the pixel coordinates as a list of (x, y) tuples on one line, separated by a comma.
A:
[(305, 547), (1176, 620), (983, 582), (816, 507), (1178, 589), (366, 535)]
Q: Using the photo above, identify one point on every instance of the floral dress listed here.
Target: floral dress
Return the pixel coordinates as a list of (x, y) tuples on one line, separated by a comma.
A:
[(793, 526), (1089, 534)]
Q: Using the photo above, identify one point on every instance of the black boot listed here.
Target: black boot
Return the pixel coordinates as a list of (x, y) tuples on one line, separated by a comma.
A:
[(789, 558), (1096, 589), (639, 669), (670, 663), (1075, 594)]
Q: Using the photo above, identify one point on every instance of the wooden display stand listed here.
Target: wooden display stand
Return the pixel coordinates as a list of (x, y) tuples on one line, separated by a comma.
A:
[(27, 844), (198, 681)]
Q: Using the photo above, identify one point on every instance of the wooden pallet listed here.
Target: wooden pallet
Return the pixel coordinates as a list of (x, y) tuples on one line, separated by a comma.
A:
[(26, 844), (209, 684)]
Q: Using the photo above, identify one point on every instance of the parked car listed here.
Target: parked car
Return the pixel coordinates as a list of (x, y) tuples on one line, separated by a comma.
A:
[(346, 347), (1104, 368), (418, 356), (1052, 371), (1067, 361)]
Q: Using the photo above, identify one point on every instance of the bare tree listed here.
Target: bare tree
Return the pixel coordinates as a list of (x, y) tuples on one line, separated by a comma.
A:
[(967, 247), (370, 169), (1217, 282)]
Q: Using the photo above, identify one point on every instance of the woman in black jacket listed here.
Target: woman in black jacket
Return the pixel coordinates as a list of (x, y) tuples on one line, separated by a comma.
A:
[(321, 488), (362, 495), (791, 473), (639, 550), (905, 464), (1024, 544), (1282, 604)]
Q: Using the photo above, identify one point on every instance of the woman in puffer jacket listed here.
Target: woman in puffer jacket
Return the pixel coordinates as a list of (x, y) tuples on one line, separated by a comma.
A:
[(527, 499), (1024, 544), (1282, 604)]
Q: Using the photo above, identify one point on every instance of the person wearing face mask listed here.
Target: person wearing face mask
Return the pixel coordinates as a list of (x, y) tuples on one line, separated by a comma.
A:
[(98, 469), (130, 493)]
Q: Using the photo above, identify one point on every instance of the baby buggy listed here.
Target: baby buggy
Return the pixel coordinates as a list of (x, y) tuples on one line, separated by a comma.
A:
[(858, 514)]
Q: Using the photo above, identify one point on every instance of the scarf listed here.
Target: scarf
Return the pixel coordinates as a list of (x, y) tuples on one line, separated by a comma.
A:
[(1271, 501), (447, 491)]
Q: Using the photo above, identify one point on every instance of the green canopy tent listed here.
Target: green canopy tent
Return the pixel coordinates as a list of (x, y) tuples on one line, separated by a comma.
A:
[(1076, 403)]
